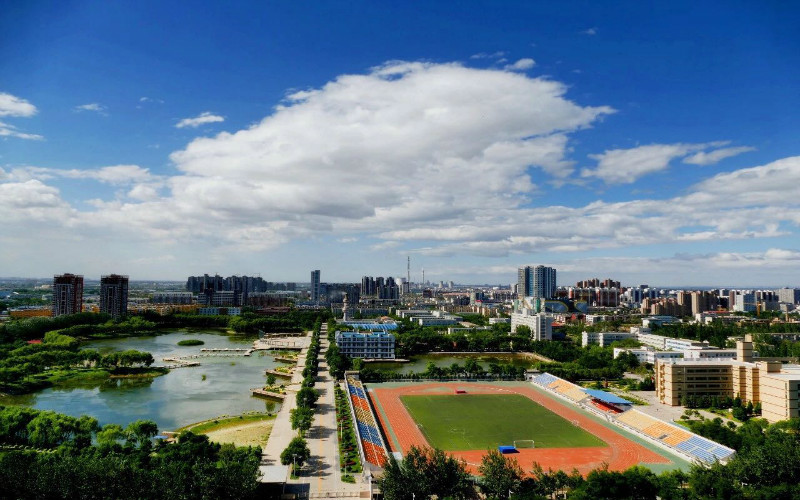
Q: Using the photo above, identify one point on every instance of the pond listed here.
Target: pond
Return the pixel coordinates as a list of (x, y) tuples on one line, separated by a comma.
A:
[(219, 386), (420, 363)]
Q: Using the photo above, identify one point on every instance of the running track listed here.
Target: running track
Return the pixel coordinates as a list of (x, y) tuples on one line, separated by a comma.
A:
[(620, 454)]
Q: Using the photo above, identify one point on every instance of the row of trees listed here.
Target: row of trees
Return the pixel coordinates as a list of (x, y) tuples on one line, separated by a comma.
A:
[(302, 416), (48, 455)]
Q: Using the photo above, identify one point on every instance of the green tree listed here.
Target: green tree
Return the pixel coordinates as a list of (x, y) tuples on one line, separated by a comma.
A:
[(302, 418), (140, 432), (501, 474), (296, 452), (307, 397)]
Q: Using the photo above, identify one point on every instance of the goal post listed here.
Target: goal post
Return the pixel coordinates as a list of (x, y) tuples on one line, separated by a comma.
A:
[(524, 443)]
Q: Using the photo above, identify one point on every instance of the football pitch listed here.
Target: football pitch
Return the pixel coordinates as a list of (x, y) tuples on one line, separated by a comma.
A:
[(484, 421)]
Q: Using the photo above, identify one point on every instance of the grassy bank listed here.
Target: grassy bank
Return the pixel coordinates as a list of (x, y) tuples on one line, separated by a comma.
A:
[(250, 429)]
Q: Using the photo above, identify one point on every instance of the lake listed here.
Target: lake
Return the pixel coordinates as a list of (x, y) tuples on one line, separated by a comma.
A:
[(178, 398)]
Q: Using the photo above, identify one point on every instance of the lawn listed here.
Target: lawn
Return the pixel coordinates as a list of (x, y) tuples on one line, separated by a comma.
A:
[(484, 421)]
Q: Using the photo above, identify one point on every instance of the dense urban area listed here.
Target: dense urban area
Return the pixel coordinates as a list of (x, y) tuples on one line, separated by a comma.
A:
[(706, 378)]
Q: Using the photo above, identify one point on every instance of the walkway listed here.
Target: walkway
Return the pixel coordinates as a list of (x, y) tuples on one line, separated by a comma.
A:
[(282, 432), (321, 476)]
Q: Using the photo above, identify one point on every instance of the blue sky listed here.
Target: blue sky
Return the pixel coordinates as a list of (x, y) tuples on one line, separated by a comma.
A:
[(650, 144)]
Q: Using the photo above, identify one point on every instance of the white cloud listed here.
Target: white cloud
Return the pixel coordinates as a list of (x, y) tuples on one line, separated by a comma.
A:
[(521, 65), (435, 159), (713, 157), (625, 166), (484, 55), (116, 174), (201, 119), (94, 107), (7, 130), (591, 31), (15, 106)]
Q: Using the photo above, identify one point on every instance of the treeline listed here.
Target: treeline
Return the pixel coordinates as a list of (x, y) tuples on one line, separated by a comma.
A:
[(765, 467), (302, 416), (471, 369), (588, 363), (48, 455), (413, 339), (35, 328), (29, 367)]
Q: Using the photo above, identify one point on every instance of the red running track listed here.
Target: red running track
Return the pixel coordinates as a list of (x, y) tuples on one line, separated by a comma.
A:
[(620, 454)]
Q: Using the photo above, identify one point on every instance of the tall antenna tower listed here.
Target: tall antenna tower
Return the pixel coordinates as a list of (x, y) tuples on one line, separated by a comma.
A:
[(408, 271), (423, 276)]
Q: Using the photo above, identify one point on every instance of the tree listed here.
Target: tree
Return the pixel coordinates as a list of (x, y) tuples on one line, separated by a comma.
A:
[(307, 397), (110, 435), (296, 452), (270, 380), (140, 432), (425, 472), (302, 418), (501, 474)]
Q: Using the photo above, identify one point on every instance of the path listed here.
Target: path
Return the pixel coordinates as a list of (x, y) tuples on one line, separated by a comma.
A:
[(321, 477)]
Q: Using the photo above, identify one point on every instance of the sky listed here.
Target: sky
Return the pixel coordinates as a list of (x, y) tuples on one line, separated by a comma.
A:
[(646, 143)]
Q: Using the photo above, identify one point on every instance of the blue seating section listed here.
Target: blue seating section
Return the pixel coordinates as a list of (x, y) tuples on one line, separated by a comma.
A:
[(366, 426)]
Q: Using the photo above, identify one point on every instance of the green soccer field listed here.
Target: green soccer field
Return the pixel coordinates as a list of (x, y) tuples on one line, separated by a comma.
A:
[(485, 421)]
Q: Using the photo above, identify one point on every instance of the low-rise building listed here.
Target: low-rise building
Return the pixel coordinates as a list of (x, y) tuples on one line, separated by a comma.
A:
[(775, 386), (604, 339), (648, 354), (372, 345)]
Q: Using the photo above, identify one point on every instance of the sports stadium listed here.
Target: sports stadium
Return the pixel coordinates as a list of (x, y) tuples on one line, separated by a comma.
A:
[(545, 420)]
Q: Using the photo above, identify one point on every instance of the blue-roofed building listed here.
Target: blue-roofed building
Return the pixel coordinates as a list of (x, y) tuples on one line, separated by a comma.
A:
[(372, 345)]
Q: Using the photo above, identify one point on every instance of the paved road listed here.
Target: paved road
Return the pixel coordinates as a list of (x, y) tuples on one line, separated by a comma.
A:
[(320, 477)]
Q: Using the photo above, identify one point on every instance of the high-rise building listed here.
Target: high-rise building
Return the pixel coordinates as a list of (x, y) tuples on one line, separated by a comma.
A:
[(539, 282), (315, 281), (67, 294), (114, 295)]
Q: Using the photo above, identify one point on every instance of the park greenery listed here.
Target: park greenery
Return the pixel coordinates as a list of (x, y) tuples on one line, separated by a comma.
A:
[(44, 454), (28, 367), (348, 447)]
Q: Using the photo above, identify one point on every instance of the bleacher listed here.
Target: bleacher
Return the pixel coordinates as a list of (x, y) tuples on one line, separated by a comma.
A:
[(366, 427), (560, 386), (671, 435), (697, 447)]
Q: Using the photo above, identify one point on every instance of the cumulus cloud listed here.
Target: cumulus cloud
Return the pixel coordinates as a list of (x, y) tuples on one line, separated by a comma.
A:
[(521, 65), (714, 157), (625, 166), (201, 119), (11, 105), (438, 159)]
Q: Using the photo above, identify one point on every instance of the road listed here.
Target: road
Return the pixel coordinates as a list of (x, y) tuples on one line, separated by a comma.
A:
[(321, 476)]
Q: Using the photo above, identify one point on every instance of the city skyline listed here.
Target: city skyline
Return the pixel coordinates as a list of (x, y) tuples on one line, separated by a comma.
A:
[(651, 144)]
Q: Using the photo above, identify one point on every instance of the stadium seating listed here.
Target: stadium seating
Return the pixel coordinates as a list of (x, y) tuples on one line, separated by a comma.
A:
[(367, 428), (674, 436), (702, 449)]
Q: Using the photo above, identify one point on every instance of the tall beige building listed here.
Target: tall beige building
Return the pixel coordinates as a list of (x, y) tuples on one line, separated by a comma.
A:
[(774, 385)]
